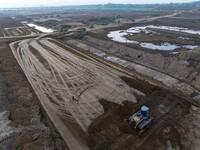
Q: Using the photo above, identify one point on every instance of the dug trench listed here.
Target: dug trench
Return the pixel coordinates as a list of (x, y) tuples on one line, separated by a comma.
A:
[(111, 130)]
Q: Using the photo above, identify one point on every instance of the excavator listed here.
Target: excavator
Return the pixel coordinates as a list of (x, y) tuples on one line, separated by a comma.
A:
[(140, 119)]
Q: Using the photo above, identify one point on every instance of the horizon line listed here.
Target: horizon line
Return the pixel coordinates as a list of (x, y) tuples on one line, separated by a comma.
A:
[(74, 5)]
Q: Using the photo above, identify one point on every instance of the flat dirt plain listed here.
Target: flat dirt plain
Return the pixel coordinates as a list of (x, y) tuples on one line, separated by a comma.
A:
[(55, 94)]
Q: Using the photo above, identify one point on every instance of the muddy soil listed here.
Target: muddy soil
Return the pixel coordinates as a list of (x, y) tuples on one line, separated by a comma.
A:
[(23, 122), (111, 130)]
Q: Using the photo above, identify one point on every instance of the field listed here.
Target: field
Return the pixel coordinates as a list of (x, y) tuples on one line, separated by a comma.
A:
[(11, 28), (74, 88)]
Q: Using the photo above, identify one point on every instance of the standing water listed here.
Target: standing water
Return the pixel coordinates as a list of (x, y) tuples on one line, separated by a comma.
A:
[(40, 28)]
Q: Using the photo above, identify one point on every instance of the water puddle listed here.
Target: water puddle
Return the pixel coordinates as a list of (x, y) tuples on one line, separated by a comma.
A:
[(119, 37), (163, 46)]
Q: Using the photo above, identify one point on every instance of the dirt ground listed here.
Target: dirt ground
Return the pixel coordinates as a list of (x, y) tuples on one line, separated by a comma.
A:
[(24, 121), (111, 130), (69, 86)]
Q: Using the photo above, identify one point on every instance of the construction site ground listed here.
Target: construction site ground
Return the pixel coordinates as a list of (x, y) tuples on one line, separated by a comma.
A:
[(106, 108), (56, 94)]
